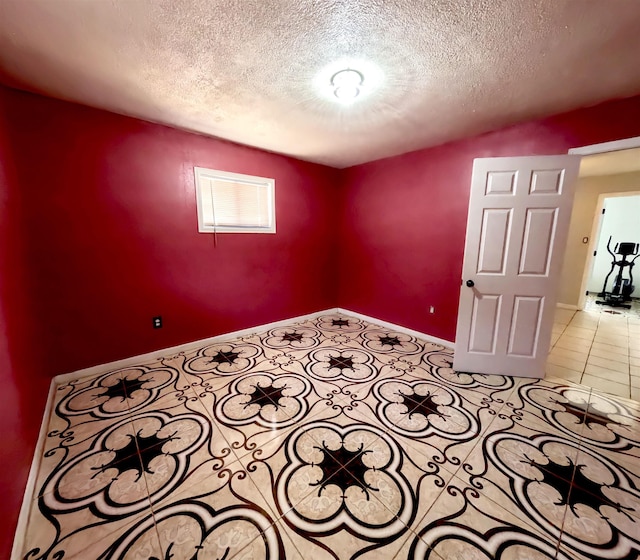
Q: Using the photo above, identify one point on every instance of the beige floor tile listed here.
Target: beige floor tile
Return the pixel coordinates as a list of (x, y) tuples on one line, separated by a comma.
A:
[(608, 364), (610, 348), (616, 340), (579, 332), (616, 329), (573, 343), (621, 342), (612, 321), (606, 386), (576, 355), (634, 370), (613, 330), (635, 381), (585, 318), (615, 376), (560, 372), (615, 351), (563, 316), (612, 356), (635, 393), (622, 336), (584, 325), (576, 365)]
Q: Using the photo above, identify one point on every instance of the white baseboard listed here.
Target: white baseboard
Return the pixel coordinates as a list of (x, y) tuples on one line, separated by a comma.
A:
[(187, 347), (567, 306), (386, 324)]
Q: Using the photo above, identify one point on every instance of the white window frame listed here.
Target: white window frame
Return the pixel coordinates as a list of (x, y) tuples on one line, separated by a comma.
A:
[(269, 184)]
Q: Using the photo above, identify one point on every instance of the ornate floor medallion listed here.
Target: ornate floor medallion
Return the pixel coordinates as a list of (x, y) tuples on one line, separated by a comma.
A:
[(333, 439)]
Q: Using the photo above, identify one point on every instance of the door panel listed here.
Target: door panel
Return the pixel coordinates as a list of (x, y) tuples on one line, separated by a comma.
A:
[(501, 182), (548, 181), (525, 326), (539, 233), (484, 324), (496, 223), (519, 213)]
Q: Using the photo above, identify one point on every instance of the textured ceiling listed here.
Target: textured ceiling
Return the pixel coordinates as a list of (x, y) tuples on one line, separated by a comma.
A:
[(257, 71)]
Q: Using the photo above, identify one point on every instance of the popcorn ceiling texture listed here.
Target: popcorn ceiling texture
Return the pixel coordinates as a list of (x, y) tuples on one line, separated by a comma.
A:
[(248, 70)]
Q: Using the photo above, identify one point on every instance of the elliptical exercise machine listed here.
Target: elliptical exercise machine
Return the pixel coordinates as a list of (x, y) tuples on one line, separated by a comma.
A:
[(622, 287)]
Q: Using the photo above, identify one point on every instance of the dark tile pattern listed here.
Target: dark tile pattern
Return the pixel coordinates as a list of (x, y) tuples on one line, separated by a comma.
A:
[(334, 439)]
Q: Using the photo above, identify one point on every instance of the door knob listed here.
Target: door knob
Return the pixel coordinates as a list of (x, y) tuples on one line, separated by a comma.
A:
[(470, 283)]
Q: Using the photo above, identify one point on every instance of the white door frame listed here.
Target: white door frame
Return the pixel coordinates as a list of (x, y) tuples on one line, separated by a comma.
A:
[(614, 146), (594, 241)]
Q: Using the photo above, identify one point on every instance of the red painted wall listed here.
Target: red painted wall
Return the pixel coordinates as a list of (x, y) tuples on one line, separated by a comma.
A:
[(23, 385), (111, 235), (404, 218), (98, 233)]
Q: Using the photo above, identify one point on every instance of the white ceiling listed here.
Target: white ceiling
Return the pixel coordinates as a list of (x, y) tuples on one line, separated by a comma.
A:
[(610, 163), (257, 71)]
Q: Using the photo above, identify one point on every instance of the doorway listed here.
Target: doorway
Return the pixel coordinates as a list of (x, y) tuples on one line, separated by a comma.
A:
[(595, 345), (618, 218)]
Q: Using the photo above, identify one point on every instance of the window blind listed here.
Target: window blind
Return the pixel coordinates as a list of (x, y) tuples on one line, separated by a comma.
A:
[(234, 203)]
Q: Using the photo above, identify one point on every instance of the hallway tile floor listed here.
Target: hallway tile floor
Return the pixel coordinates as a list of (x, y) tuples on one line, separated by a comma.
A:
[(334, 439), (598, 347)]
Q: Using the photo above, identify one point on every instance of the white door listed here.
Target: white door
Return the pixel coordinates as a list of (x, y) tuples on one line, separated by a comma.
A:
[(519, 213)]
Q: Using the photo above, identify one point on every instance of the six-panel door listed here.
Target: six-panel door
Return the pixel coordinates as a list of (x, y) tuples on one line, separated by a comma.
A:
[(519, 213)]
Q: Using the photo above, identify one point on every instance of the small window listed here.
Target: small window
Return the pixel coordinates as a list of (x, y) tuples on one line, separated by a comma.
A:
[(234, 203)]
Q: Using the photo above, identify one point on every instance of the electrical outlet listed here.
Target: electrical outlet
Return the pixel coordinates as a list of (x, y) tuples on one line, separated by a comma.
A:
[(157, 322), (432, 309)]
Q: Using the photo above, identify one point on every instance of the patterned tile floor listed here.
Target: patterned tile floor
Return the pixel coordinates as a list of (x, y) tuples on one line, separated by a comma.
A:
[(334, 439)]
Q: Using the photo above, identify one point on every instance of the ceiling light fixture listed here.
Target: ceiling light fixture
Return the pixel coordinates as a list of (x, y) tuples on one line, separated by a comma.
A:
[(346, 84)]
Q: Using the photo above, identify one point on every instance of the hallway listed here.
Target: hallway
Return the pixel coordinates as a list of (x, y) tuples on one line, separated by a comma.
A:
[(598, 347)]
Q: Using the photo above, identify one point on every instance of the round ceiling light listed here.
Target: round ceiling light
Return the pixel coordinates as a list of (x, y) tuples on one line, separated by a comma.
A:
[(346, 84)]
